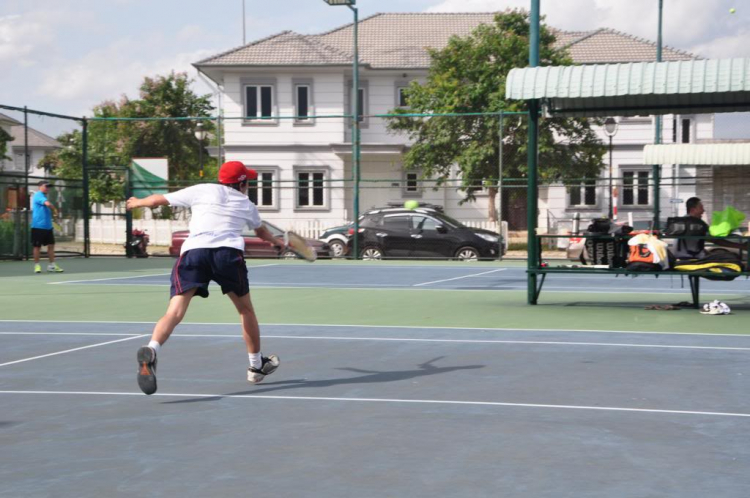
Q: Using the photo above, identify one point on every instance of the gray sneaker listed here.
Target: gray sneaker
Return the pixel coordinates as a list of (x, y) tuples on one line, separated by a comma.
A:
[(147, 369), (269, 366)]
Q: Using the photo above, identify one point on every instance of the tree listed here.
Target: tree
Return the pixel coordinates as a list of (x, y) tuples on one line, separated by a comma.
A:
[(5, 138), (468, 76), (113, 144)]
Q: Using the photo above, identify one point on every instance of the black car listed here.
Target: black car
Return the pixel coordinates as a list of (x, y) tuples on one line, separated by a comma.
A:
[(423, 233)]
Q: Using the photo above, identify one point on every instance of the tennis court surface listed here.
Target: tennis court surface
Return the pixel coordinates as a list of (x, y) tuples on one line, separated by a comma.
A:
[(396, 379)]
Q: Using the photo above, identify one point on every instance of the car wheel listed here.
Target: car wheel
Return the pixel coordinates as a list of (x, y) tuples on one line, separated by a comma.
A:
[(338, 248), (289, 254), (372, 253), (467, 254)]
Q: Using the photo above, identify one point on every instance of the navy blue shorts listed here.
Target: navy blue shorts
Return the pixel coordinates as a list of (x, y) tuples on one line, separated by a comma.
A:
[(197, 267)]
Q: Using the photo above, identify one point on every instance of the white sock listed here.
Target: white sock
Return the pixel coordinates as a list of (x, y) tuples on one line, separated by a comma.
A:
[(155, 346), (255, 360)]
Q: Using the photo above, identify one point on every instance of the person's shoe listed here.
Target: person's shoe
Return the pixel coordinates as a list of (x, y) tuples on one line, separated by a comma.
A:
[(269, 366), (53, 268), (37, 268), (147, 369)]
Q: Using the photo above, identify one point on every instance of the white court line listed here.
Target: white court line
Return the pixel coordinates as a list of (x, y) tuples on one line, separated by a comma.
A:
[(74, 349), (110, 278), (95, 334), (407, 339), (397, 400), (405, 327), (458, 278)]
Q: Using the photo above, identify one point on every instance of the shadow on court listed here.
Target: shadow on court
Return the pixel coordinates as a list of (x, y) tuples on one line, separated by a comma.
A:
[(368, 377)]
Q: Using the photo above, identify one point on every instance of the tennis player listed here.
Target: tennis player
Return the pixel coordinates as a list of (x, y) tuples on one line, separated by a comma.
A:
[(213, 251)]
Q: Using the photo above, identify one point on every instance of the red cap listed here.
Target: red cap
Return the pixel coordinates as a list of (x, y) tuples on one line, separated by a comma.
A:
[(235, 172)]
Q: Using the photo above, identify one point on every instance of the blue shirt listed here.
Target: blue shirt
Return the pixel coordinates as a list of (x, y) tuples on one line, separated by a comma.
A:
[(41, 215)]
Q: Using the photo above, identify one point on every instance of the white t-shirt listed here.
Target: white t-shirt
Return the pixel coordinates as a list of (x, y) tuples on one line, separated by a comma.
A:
[(219, 215)]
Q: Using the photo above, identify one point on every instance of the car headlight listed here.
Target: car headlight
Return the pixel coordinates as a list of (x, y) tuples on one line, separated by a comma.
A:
[(488, 237)]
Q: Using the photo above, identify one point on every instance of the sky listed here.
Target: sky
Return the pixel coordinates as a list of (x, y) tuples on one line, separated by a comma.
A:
[(66, 56)]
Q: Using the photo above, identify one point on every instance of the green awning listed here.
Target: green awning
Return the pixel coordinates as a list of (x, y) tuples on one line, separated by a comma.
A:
[(144, 182), (641, 88), (718, 154)]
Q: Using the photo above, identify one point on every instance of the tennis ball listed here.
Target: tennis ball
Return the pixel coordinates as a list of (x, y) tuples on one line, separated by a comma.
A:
[(732, 10), (411, 204)]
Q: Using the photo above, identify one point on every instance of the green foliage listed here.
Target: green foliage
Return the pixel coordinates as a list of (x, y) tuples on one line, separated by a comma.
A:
[(5, 138), (468, 76), (113, 144)]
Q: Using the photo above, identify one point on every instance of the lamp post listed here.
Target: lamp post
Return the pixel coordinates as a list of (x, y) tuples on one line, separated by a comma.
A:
[(356, 154), (200, 134), (610, 128)]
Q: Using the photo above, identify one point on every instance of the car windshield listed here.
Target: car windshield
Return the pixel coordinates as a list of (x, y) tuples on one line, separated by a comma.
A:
[(276, 231)]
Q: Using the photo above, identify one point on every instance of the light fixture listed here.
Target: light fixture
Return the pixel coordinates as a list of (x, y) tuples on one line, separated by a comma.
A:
[(340, 2), (610, 127)]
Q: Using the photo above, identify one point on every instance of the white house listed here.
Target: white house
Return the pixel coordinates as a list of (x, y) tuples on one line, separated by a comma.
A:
[(13, 170), (291, 74)]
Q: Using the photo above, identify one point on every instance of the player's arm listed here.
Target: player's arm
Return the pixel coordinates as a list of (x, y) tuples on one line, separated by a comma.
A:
[(265, 234), (150, 202), (51, 206)]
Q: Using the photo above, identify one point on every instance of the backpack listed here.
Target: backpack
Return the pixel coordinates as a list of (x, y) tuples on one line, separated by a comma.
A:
[(686, 225)]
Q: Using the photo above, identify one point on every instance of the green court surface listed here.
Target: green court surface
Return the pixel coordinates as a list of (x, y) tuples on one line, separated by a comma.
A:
[(26, 296)]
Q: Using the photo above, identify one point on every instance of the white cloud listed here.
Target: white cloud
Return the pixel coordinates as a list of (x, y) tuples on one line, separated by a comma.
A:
[(21, 39), (687, 23), (111, 71)]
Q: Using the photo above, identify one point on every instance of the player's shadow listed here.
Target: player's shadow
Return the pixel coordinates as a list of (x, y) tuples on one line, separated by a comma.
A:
[(366, 377)]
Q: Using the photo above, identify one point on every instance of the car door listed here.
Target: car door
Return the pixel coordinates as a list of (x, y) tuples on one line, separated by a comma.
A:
[(255, 247), (394, 235), (428, 241)]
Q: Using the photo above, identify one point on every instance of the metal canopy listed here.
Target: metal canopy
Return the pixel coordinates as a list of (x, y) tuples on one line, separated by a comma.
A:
[(642, 88), (722, 154)]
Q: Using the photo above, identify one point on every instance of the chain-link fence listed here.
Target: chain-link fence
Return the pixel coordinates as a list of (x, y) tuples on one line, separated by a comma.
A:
[(468, 167), (30, 149)]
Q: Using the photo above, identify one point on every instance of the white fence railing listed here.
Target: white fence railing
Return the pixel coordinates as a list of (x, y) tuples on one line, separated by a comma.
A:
[(110, 231)]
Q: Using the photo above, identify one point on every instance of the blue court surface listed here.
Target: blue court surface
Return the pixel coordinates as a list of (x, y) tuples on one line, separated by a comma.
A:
[(363, 411), (460, 277)]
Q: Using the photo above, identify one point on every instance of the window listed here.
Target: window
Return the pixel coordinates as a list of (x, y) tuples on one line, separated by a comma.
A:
[(423, 223), (303, 102), (363, 101), (19, 161), (401, 100), (635, 188), (311, 190), (686, 131), (304, 105), (412, 187), (584, 194), (258, 101), (261, 191), (398, 222)]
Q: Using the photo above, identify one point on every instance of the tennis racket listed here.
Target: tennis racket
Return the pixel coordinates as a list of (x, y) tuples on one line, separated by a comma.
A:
[(300, 246), (56, 226)]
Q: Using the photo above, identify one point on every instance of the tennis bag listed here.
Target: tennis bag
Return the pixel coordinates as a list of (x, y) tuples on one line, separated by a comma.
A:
[(610, 252)]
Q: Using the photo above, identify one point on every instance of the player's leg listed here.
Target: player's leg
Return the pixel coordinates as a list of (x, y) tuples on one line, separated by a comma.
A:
[(37, 250), (190, 276), (230, 272), (260, 365), (51, 255)]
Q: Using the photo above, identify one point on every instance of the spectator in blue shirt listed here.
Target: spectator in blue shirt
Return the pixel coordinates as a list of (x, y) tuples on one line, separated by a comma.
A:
[(41, 228)]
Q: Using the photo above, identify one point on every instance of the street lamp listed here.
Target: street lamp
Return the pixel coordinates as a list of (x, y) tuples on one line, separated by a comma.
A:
[(610, 128), (356, 155), (200, 134)]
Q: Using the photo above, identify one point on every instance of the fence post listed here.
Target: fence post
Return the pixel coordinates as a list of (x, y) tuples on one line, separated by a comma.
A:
[(86, 202)]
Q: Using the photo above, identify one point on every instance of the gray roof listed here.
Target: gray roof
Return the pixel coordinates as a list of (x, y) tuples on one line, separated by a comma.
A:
[(8, 120), (36, 139), (396, 41)]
